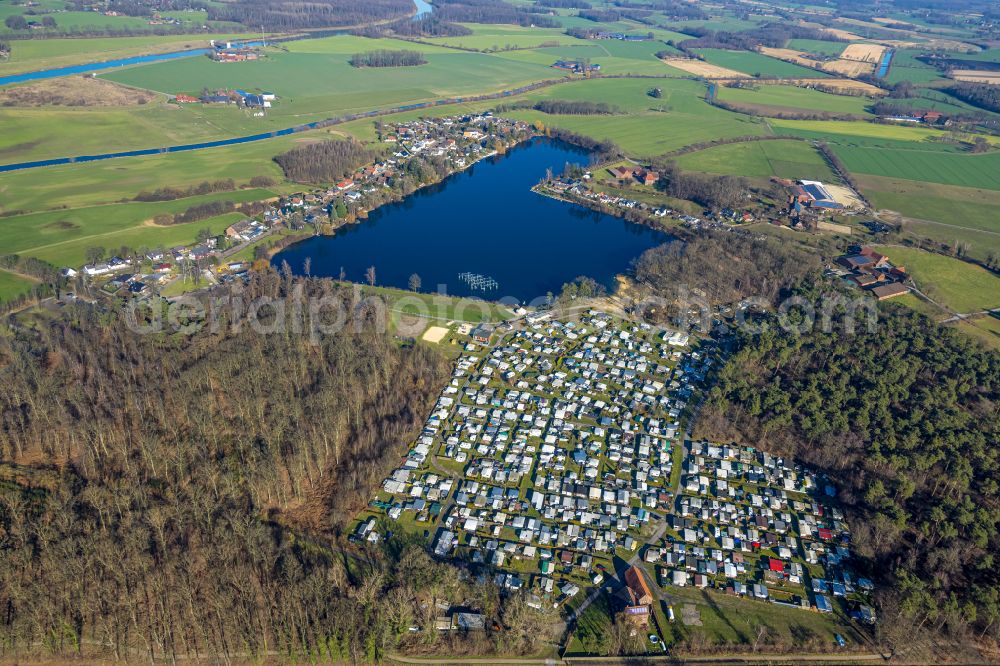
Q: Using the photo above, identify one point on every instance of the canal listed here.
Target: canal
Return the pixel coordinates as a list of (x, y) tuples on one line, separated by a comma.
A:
[(485, 221)]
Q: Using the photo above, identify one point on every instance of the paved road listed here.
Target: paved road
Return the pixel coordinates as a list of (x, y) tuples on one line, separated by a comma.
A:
[(720, 659)]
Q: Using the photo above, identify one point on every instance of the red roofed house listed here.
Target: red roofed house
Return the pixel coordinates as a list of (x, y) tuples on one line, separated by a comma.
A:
[(647, 177), (776, 565), (639, 597), (878, 260), (825, 534), (345, 184), (622, 172), (185, 99)]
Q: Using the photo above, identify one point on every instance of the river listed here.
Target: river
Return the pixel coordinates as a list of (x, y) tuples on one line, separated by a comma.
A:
[(106, 64), (486, 221)]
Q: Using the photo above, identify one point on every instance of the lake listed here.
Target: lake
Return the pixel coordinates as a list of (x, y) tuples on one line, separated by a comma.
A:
[(485, 221), (423, 8)]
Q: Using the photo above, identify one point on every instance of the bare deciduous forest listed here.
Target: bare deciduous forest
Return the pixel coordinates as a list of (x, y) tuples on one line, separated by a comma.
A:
[(185, 494)]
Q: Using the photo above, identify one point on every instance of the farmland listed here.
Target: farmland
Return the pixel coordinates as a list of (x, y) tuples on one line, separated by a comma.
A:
[(757, 64), (978, 171), (793, 98), (62, 236), (491, 37), (35, 54), (646, 130), (869, 134), (956, 284), (761, 159), (303, 96)]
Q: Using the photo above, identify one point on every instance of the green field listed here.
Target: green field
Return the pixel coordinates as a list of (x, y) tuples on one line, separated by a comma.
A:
[(62, 236), (816, 46), (652, 126), (12, 285), (313, 81), (494, 37), (977, 171), (761, 159), (33, 54), (986, 329), (953, 214), (90, 184), (726, 620), (614, 57), (758, 64), (956, 284), (866, 134), (778, 98), (960, 206)]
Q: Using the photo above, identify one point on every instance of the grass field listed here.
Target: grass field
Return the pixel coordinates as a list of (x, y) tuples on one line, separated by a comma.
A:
[(756, 63), (497, 37), (313, 81), (12, 285), (761, 159), (794, 98), (652, 126), (960, 206), (860, 133), (956, 284), (816, 46), (976, 171), (62, 236), (614, 57), (34, 54), (986, 329), (732, 621)]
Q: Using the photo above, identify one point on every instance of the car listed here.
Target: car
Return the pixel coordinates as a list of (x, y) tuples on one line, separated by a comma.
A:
[(840, 640)]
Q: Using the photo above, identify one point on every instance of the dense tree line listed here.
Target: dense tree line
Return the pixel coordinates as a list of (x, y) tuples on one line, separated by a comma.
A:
[(604, 150), (982, 95), (30, 266), (563, 4), (279, 15), (714, 192), (772, 34), (429, 25), (388, 58), (324, 161), (490, 11), (672, 9), (563, 107), (171, 193), (727, 267), (904, 418), (198, 212), (614, 15)]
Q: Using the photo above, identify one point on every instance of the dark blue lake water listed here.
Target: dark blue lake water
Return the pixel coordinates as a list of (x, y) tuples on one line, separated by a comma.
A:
[(486, 221)]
